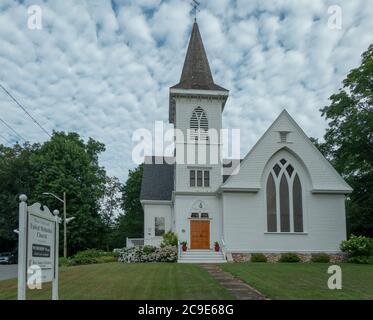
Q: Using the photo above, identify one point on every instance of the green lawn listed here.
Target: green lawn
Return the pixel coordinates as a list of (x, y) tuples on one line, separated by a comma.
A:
[(189, 281), (304, 281), (128, 281)]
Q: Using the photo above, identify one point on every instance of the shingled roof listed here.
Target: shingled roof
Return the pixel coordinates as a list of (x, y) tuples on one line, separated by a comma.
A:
[(157, 180), (196, 72)]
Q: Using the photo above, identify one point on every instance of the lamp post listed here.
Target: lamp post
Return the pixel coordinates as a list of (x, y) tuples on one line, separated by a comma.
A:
[(65, 221)]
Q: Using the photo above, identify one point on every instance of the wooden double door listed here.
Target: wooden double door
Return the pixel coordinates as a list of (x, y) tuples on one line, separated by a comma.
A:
[(200, 234)]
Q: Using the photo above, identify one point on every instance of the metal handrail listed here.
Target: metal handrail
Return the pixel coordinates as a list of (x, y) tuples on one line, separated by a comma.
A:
[(223, 249)]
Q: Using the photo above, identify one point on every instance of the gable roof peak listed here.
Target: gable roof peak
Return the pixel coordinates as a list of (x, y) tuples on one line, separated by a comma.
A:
[(196, 72)]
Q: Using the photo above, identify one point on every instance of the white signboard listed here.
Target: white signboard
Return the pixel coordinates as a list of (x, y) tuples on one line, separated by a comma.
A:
[(40, 245), (37, 247)]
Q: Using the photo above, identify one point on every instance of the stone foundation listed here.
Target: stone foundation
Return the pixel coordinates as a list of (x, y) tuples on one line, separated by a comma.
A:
[(274, 257)]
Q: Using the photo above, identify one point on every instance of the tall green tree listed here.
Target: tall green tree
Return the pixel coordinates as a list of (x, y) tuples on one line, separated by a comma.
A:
[(131, 222), (66, 163), (349, 142), (16, 177), (110, 210)]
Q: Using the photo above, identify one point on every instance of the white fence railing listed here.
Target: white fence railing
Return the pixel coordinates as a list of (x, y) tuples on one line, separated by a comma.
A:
[(134, 242)]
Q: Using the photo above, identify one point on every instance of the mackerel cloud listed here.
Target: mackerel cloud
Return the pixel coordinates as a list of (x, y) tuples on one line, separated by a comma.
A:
[(103, 68)]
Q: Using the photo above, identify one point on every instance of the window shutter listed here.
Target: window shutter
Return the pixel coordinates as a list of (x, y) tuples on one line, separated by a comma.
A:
[(199, 125)]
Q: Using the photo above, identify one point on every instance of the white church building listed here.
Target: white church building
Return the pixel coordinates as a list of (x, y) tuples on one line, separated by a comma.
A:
[(285, 196)]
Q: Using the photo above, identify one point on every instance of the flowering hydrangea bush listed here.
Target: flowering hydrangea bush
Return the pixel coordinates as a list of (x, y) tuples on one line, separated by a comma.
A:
[(148, 254)]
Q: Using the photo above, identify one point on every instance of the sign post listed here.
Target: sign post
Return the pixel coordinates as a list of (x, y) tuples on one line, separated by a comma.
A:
[(22, 247), (37, 247), (56, 242)]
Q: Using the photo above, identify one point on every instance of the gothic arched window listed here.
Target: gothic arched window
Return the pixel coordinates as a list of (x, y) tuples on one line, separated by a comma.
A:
[(199, 125), (284, 199)]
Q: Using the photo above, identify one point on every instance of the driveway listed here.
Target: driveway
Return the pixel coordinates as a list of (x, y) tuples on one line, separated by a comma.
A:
[(8, 271)]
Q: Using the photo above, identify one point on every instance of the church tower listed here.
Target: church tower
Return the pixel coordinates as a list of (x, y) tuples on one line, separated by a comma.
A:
[(195, 108)]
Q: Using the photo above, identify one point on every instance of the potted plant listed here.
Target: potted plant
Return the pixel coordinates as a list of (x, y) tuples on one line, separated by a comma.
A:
[(217, 247), (184, 246)]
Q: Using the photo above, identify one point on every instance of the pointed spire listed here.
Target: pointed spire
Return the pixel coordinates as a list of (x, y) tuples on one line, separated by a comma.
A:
[(196, 72)]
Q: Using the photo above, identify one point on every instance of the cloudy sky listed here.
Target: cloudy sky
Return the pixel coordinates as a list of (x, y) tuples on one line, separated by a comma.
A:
[(103, 68)]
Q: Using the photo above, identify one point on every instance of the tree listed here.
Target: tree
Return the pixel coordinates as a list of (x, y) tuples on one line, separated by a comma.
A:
[(66, 163), (110, 209), (349, 142), (131, 223), (16, 177)]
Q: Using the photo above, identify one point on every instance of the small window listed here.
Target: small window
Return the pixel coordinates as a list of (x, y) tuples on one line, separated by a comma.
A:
[(206, 178), (277, 169), (204, 215), (192, 177), (199, 178), (159, 226), (290, 169), (194, 215)]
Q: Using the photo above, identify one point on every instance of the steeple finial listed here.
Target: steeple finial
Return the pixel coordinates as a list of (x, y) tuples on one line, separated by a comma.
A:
[(195, 4)]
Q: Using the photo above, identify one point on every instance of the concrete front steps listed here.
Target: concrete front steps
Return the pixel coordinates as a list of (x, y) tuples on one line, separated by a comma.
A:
[(201, 256)]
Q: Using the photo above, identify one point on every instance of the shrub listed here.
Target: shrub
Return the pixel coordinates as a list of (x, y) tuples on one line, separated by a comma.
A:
[(357, 246), (148, 249), (91, 256), (139, 255), (169, 239), (320, 257), (62, 261), (106, 259), (359, 259), (289, 257), (258, 257)]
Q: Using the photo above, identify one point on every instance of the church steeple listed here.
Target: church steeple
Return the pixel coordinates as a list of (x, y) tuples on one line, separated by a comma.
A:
[(196, 72)]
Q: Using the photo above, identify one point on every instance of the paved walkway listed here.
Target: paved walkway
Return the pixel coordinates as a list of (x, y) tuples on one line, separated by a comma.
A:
[(8, 271), (238, 288)]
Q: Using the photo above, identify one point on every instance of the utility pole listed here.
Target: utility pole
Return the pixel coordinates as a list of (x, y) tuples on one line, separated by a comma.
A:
[(65, 220), (64, 227)]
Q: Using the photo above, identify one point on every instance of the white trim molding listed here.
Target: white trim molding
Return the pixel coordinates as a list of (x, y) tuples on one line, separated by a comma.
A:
[(288, 233), (324, 191), (249, 190), (169, 202), (281, 251)]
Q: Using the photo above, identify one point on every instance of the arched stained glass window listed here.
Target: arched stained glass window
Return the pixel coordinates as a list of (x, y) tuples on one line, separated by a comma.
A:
[(284, 186)]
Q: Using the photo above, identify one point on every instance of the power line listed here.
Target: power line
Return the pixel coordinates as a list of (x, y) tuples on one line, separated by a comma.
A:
[(24, 109), (9, 127), (5, 139)]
